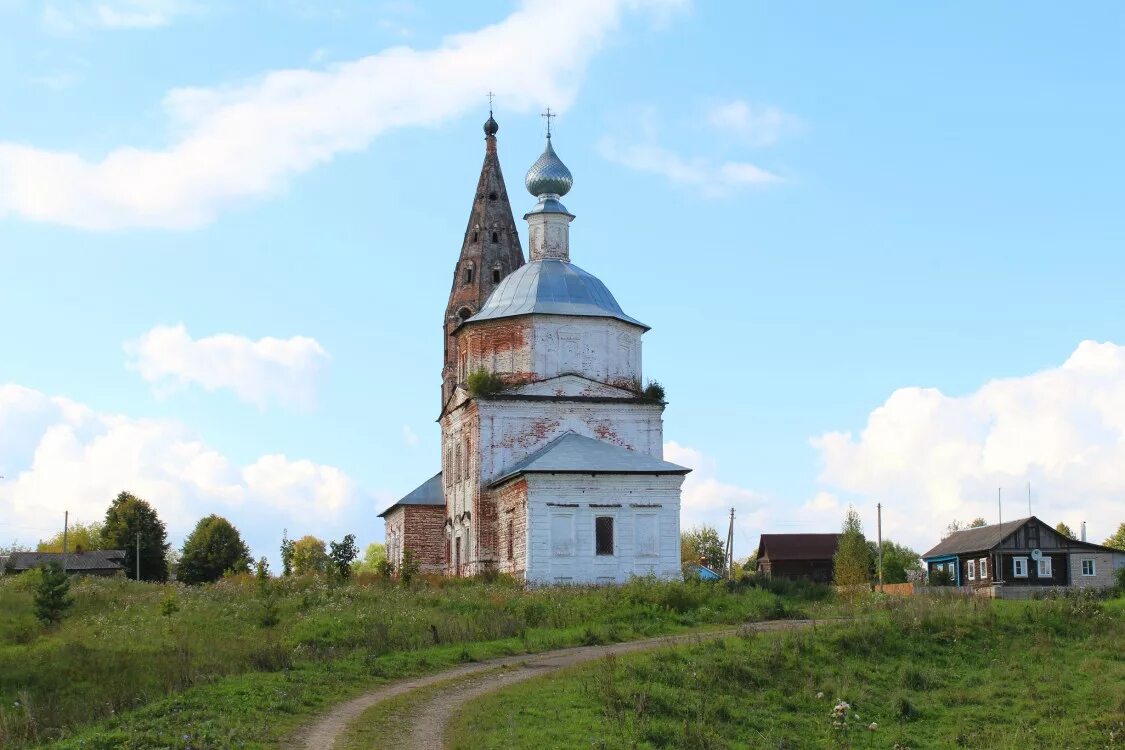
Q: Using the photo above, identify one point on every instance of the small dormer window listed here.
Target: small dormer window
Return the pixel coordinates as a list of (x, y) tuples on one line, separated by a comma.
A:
[(495, 237), (495, 275), (469, 275), (474, 236)]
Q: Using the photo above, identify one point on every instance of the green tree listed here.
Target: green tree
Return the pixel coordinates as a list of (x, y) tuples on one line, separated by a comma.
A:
[(751, 564), (410, 567), (342, 554), (52, 594), (1117, 541), (128, 516), (897, 561), (309, 556), (212, 548), (286, 553), (80, 537), (1064, 530), (977, 522), (703, 543), (852, 563), (372, 556)]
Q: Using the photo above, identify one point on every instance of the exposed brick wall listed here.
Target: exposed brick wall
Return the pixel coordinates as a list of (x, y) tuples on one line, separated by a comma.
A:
[(491, 216), (424, 535), (511, 504)]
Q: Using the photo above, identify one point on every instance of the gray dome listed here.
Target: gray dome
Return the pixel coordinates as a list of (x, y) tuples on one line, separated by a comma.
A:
[(548, 175), (491, 127), (551, 287)]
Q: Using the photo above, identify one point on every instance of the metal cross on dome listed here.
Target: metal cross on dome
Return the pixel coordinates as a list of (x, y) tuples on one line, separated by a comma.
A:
[(489, 103), (548, 114)]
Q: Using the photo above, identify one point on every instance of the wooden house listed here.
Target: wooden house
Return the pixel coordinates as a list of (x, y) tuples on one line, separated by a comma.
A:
[(1018, 557), (797, 557), (105, 562)]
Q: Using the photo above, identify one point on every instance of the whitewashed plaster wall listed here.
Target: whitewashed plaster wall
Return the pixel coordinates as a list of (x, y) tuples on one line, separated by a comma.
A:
[(512, 430), (602, 349), (646, 513), (544, 346)]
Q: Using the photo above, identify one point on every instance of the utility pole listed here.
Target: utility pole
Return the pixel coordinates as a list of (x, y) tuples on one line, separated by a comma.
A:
[(1029, 499), (65, 531), (879, 527), (999, 508), (138, 555), (730, 547)]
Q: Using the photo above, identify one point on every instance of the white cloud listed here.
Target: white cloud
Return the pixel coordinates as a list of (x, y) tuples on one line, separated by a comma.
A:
[(713, 178), (267, 370), (706, 500), (61, 455), (754, 126), (69, 17), (930, 458), (409, 436), (218, 156)]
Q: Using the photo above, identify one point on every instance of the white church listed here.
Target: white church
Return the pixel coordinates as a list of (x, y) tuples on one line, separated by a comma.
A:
[(552, 465)]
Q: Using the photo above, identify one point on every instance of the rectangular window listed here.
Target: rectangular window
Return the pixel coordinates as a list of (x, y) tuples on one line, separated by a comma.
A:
[(1019, 567), (562, 535), (983, 565), (972, 570), (1044, 567), (511, 539), (603, 535), (646, 535), (1088, 568)]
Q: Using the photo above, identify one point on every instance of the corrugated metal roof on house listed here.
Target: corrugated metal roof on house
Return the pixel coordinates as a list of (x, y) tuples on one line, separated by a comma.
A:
[(797, 546), (105, 559), (427, 493), (572, 453), (974, 540)]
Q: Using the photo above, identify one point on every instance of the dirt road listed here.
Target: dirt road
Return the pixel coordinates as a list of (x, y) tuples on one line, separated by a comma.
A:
[(431, 717)]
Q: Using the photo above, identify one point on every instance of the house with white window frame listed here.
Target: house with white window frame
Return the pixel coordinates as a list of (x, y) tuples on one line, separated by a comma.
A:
[(1020, 558)]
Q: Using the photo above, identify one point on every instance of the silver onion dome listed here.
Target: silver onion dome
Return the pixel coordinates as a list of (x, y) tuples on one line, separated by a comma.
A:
[(548, 175), (490, 125)]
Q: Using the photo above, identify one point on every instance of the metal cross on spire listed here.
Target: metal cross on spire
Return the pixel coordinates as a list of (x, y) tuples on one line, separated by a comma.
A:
[(548, 114), (490, 104)]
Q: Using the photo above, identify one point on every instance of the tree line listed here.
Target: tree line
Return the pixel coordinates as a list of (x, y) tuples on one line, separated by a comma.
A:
[(214, 547)]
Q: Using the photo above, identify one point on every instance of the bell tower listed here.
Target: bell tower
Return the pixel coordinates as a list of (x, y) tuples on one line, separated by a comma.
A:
[(490, 251)]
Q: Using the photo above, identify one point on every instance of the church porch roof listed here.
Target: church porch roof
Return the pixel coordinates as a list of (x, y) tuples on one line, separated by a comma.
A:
[(427, 493), (572, 453)]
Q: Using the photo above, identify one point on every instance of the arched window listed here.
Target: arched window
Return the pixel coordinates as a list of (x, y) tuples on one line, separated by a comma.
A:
[(474, 236), (469, 275), (464, 314), (495, 237), (492, 196), (495, 275)]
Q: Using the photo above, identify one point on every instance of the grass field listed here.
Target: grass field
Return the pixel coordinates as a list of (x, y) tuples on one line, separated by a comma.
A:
[(234, 665), (927, 673)]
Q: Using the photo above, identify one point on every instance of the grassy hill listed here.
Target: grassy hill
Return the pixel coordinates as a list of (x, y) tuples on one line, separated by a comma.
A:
[(240, 663), (914, 673)]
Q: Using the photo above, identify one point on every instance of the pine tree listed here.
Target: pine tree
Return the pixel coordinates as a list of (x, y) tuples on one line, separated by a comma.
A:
[(852, 564), (52, 594)]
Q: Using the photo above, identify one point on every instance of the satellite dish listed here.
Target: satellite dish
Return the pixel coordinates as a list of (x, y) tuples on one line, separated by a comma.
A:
[(1036, 555)]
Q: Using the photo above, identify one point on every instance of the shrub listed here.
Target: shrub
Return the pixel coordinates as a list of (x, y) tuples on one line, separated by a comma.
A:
[(654, 391), (484, 383)]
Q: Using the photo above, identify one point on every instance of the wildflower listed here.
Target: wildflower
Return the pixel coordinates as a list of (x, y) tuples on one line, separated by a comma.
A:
[(819, 696), (873, 726)]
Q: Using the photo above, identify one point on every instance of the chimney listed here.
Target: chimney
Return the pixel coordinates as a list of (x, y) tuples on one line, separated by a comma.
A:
[(1083, 531)]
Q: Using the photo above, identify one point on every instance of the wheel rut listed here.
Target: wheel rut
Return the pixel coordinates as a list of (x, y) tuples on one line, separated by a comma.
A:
[(429, 720)]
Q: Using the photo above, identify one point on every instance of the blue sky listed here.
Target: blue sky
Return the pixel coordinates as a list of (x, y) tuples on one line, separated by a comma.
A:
[(871, 241)]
